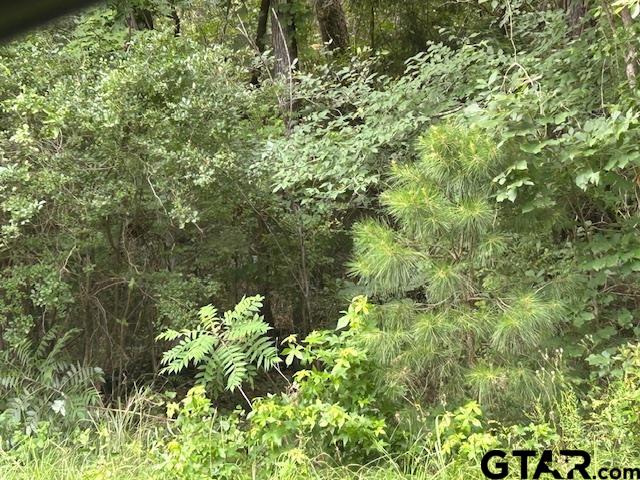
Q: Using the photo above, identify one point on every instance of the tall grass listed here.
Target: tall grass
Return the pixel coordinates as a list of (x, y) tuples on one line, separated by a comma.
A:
[(125, 443), (60, 461)]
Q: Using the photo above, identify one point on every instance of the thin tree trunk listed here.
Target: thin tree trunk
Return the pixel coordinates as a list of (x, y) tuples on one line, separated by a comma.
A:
[(140, 19), (631, 56), (575, 10), (372, 28), (285, 50), (261, 32), (176, 21), (226, 20), (304, 280), (333, 23), (87, 333), (264, 260), (283, 38)]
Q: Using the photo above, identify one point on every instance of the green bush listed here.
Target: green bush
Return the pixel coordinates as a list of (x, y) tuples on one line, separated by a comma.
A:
[(204, 444), (334, 405)]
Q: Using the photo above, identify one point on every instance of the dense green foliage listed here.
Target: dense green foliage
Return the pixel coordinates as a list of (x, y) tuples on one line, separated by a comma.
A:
[(448, 252), (462, 178)]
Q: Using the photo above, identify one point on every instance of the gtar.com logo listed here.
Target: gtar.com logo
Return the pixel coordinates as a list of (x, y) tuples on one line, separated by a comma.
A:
[(534, 466)]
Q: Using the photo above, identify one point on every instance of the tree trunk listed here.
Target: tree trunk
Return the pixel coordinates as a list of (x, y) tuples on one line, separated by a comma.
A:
[(283, 37), (631, 56), (140, 19), (575, 10), (372, 28), (261, 32), (264, 272), (285, 51), (333, 23), (176, 21)]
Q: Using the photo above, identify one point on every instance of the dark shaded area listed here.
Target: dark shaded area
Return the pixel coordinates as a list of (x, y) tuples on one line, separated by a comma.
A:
[(17, 17)]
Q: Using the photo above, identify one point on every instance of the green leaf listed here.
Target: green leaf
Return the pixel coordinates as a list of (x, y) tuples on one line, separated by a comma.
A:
[(343, 322), (586, 177)]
